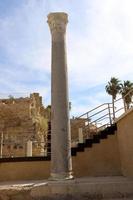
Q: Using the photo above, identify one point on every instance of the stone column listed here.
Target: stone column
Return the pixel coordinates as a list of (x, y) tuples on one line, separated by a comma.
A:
[(61, 164)]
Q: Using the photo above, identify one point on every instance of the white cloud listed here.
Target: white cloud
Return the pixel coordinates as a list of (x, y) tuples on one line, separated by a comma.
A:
[(105, 49), (25, 36)]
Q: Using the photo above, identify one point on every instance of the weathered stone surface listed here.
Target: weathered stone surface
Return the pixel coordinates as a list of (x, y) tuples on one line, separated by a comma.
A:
[(22, 119), (106, 188), (61, 164)]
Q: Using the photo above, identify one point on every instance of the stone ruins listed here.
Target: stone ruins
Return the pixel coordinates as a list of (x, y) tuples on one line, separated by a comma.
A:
[(23, 120)]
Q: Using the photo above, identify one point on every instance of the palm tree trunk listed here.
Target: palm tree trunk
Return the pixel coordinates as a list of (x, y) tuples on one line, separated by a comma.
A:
[(113, 109)]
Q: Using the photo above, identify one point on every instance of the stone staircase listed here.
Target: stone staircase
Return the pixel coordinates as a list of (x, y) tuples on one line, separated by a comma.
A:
[(88, 143)]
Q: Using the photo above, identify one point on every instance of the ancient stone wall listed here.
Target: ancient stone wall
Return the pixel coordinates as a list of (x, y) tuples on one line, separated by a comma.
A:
[(21, 120)]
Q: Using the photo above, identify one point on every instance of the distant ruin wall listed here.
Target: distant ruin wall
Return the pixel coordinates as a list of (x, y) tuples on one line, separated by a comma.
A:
[(22, 119)]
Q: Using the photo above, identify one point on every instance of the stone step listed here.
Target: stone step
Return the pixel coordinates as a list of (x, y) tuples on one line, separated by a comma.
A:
[(80, 147), (95, 188), (89, 142), (103, 134)]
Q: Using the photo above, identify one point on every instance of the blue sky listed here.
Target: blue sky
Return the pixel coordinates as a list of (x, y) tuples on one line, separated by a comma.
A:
[(99, 46)]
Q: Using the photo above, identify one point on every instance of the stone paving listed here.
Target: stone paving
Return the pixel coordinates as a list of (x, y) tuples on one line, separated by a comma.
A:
[(77, 189)]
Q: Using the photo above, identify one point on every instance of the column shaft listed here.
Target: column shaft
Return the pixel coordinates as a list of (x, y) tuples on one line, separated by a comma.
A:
[(61, 165)]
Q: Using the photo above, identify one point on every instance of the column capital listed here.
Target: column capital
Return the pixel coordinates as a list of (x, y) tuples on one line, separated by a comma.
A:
[(57, 22)]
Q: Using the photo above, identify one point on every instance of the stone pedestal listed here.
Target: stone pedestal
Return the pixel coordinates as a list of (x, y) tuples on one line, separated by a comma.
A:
[(80, 134), (61, 164), (29, 148)]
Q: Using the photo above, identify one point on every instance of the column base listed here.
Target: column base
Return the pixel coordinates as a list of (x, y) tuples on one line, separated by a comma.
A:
[(61, 177)]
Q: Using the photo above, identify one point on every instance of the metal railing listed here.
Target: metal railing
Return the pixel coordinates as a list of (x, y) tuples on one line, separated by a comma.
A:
[(98, 116), (102, 116)]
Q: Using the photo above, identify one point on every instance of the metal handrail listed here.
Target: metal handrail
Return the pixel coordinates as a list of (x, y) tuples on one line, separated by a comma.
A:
[(93, 110), (99, 118), (98, 112), (109, 120), (119, 109)]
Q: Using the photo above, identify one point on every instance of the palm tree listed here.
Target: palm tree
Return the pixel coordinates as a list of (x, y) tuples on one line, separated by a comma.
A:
[(113, 88), (127, 93)]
